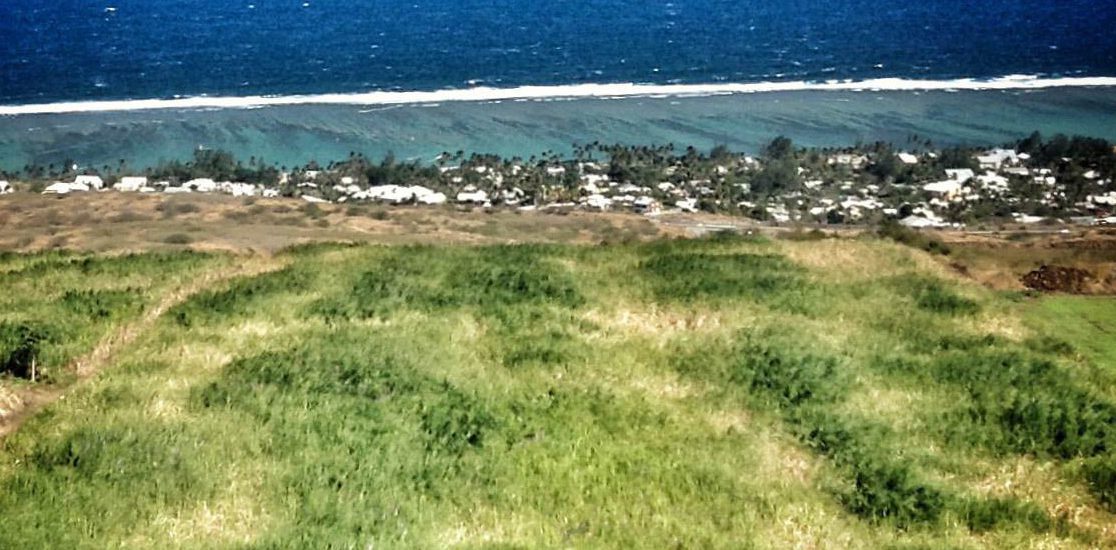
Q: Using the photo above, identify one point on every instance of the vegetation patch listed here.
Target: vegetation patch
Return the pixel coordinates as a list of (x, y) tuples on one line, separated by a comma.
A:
[(20, 349)]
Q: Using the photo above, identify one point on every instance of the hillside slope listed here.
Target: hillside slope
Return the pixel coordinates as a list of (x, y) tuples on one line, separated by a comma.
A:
[(723, 392)]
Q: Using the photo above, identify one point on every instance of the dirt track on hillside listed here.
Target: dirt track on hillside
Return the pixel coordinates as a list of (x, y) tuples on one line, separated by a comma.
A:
[(23, 403)]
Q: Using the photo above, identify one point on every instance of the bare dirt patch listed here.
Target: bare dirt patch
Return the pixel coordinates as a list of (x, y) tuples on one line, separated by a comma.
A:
[(135, 222), (1053, 278)]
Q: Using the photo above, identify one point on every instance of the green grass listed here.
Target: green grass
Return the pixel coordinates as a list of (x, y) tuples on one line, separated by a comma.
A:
[(57, 305), (706, 393)]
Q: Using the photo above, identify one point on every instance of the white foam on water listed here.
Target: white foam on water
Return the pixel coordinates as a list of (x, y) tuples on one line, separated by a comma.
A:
[(551, 93)]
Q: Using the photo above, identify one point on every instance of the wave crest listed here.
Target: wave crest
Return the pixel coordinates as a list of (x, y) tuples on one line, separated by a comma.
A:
[(543, 93)]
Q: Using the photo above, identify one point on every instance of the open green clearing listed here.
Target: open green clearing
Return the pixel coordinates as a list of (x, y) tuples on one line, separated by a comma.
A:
[(725, 392)]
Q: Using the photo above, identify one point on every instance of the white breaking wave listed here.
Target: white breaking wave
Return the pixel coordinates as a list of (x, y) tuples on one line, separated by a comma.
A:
[(574, 91)]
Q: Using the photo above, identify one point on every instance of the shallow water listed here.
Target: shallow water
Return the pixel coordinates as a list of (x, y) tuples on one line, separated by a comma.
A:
[(290, 135)]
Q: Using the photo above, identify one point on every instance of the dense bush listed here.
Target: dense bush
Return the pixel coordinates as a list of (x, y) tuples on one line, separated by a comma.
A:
[(886, 490), (1100, 473), (901, 234), (20, 348), (455, 421)]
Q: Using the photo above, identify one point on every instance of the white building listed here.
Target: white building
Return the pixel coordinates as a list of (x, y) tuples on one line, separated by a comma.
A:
[(687, 205), (201, 185), (130, 184), (994, 159), (475, 197), (907, 158), (947, 189), (5, 187), (600, 202), (960, 174), (90, 182)]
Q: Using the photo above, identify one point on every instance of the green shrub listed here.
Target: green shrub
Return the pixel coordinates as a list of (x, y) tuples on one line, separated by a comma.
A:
[(455, 422), (425, 279), (901, 234), (883, 490), (791, 380), (240, 294), (982, 515), (694, 276), (1100, 473), (938, 299), (21, 347)]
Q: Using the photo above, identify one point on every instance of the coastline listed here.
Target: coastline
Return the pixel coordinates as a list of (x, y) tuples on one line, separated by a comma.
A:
[(560, 92)]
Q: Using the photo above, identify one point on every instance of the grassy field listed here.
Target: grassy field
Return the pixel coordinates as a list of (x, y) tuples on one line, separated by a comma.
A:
[(723, 392)]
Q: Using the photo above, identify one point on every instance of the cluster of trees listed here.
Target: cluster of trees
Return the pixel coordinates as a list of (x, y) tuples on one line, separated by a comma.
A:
[(782, 169)]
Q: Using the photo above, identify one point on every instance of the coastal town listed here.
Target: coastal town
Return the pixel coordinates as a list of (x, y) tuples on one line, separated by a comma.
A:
[(1034, 181)]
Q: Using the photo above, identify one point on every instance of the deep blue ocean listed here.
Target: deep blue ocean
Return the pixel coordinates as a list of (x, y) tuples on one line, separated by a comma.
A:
[(54, 50), (57, 51)]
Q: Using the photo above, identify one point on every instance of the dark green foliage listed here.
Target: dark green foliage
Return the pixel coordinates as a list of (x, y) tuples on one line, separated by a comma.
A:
[(800, 235), (883, 488), (97, 305), (886, 490), (932, 295), (790, 380), (1050, 345), (91, 471), (240, 295), (363, 375), (496, 283), (490, 279), (692, 276), (20, 347), (994, 513), (1100, 473), (533, 335), (110, 455), (936, 298), (455, 422), (800, 387), (1028, 404), (901, 234)]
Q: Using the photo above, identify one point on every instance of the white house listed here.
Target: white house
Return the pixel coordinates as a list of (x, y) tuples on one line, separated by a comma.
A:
[(394, 194), (687, 205), (918, 222), (646, 205), (90, 182), (961, 175), (600, 202), (61, 188), (476, 197), (907, 158), (994, 159), (5, 187), (201, 185), (130, 184), (432, 198), (947, 189)]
